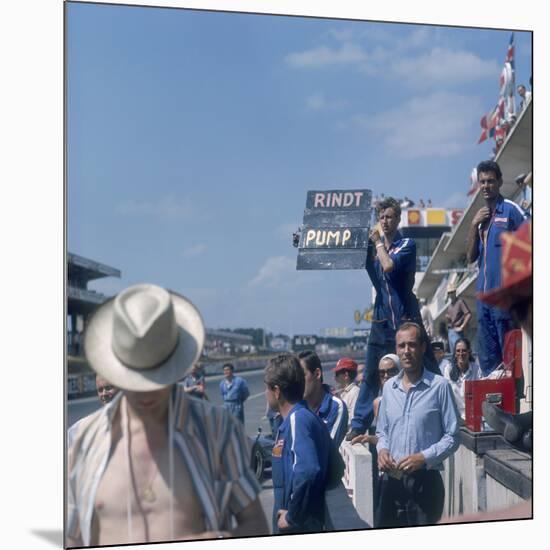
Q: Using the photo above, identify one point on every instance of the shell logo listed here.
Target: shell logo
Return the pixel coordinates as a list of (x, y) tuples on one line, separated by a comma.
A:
[(413, 217)]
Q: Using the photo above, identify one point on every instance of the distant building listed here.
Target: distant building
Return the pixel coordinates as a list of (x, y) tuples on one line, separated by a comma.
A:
[(81, 302), (226, 343)]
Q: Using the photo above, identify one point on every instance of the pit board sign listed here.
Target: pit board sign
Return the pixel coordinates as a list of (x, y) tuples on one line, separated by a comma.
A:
[(335, 229)]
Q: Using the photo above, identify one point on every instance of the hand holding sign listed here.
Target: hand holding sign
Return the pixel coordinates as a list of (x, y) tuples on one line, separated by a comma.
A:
[(375, 234)]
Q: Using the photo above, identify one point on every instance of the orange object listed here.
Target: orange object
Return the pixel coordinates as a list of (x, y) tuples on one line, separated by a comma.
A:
[(413, 217), (512, 353)]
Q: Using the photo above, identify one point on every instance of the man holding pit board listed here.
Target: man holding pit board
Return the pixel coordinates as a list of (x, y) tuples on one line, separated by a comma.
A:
[(335, 235)]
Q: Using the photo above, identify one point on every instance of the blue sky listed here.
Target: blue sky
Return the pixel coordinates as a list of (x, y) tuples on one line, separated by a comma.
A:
[(193, 138)]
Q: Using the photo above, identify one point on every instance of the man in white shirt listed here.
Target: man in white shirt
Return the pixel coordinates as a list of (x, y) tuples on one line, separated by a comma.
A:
[(345, 373)]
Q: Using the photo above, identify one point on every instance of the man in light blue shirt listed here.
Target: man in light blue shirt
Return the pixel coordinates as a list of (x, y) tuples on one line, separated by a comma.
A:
[(417, 429), (234, 392)]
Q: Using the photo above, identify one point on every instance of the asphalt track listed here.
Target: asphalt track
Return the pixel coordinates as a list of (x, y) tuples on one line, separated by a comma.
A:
[(254, 408)]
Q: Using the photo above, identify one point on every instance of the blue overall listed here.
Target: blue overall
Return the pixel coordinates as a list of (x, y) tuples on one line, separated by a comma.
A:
[(334, 413), (234, 394), (300, 461), (494, 323), (395, 304)]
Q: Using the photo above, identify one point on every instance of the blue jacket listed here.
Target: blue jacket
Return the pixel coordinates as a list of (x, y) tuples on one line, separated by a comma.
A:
[(508, 216), (334, 413), (235, 395), (395, 301), (299, 470)]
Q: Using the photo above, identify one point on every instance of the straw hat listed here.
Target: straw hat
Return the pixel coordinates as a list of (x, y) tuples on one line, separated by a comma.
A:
[(144, 339), (451, 287)]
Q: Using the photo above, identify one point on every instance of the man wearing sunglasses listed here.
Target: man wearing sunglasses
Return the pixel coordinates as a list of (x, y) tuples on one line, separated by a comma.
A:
[(498, 215)]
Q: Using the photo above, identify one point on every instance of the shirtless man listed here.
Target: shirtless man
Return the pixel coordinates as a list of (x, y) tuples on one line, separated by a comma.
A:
[(154, 464)]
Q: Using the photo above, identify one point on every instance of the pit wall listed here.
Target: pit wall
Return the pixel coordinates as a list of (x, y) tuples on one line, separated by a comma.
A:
[(485, 474)]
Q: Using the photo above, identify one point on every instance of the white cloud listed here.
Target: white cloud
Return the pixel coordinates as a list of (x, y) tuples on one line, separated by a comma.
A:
[(443, 67), (436, 125), (342, 35), (323, 56), (419, 37), (195, 250), (418, 59), (315, 102), (275, 271), (318, 102), (163, 208)]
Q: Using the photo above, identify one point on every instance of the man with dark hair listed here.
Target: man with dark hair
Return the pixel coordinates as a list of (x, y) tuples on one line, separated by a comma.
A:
[(391, 265), (498, 215), (331, 409), (417, 428), (438, 349), (234, 391), (301, 451)]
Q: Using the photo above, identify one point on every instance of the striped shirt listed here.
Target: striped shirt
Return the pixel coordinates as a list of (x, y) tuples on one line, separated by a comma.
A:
[(211, 442)]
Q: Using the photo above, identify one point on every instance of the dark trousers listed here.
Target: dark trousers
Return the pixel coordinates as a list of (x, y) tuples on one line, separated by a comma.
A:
[(415, 499), (381, 341), (492, 324)]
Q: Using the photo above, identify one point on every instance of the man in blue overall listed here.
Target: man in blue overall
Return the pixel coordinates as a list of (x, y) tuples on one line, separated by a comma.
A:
[(330, 408), (301, 451), (234, 391), (498, 215), (391, 265)]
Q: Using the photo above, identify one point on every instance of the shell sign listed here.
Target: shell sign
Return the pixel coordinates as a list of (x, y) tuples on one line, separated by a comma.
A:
[(413, 217)]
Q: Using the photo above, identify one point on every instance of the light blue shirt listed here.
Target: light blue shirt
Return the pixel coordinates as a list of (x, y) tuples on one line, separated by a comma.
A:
[(424, 419)]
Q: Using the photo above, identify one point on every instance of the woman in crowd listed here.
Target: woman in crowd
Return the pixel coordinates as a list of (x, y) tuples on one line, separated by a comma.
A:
[(462, 367), (387, 368)]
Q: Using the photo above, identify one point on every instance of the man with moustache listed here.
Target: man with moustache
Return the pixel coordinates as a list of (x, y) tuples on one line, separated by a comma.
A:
[(417, 429), (483, 244), (154, 464)]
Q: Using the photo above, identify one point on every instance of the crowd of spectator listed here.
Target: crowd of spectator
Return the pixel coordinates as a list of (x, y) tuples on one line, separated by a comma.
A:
[(405, 202)]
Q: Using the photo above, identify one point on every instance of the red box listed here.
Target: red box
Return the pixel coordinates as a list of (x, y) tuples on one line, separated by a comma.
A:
[(512, 353), (500, 392)]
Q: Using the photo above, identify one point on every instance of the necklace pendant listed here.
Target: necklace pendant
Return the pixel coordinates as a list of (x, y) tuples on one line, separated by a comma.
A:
[(149, 495)]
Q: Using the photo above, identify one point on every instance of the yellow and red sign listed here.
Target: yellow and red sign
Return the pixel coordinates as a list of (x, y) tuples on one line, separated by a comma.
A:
[(413, 217)]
